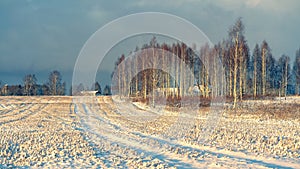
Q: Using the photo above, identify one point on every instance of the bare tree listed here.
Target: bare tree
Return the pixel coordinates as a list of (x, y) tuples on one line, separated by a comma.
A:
[(29, 84), (56, 87), (285, 71), (255, 56), (270, 73), (296, 71), (264, 52), (236, 36)]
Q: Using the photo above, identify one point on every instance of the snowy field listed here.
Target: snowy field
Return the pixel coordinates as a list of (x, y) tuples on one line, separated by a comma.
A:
[(96, 132)]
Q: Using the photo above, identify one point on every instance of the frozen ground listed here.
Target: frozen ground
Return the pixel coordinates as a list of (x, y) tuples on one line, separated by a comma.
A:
[(95, 132)]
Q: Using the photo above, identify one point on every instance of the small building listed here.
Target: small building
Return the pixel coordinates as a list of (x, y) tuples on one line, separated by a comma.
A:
[(88, 93), (198, 90)]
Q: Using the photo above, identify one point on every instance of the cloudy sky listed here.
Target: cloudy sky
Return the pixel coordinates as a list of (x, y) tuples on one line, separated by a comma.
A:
[(41, 36)]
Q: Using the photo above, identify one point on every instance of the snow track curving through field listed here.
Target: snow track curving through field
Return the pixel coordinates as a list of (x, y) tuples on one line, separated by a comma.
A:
[(105, 122), (58, 132)]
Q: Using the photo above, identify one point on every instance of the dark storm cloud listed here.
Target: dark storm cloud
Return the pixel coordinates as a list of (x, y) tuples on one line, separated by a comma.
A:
[(40, 36)]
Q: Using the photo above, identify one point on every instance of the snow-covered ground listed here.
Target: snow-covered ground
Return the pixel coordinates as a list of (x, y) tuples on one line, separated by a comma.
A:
[(100, 133)]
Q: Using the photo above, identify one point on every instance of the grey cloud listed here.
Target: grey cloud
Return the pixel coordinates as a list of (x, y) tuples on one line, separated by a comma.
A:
[(44, 35)]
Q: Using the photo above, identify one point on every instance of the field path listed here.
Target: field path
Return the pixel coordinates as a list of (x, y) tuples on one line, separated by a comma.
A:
[(105, 121), (99, 132)]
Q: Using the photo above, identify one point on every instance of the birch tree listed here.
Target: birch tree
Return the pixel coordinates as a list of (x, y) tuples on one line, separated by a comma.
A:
[(256, 53), (264, 52), (56, 86), (296, 71), (29, 84), (236, 35), (285, 72)]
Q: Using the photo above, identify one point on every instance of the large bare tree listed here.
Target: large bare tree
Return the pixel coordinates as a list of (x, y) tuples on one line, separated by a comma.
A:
[(236, 34), (56, 87), (30, 84)]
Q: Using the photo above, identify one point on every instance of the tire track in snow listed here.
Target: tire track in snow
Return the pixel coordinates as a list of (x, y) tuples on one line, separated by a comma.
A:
[(13, 109), (105, 129), (25, 113)]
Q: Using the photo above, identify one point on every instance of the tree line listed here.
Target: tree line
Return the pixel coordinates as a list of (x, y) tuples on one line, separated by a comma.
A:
[(54, 86), (30, 87), (245, 74), (175, 71)]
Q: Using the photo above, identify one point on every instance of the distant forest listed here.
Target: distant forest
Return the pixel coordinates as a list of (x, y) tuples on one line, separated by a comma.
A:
[(247, 74), (54, 86)]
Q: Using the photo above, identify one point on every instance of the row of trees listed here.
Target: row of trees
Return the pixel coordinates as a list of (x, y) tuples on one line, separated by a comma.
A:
[(30, 87), (242, 74), (54, 86), (257, 75), (155, 67)]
